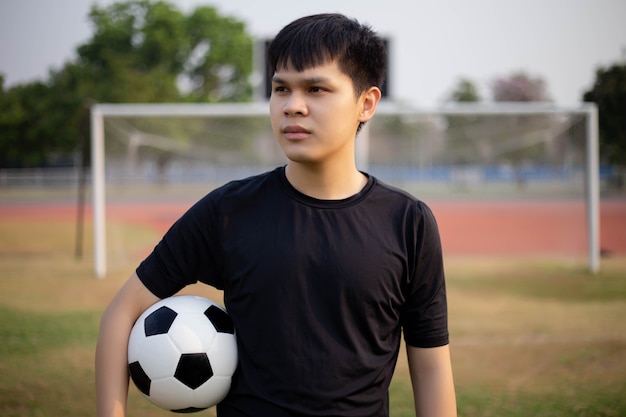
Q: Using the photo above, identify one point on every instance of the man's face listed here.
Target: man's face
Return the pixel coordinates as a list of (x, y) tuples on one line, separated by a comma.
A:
[(314, 113)]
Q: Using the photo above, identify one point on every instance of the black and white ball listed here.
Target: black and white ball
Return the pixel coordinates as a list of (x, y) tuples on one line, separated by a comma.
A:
[(182, 353)]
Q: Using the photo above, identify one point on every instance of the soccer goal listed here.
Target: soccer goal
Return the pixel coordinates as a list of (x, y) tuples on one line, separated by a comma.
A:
[(152, 155)]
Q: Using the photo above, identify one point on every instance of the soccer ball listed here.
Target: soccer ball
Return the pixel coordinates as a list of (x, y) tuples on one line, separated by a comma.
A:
[(182, 353)]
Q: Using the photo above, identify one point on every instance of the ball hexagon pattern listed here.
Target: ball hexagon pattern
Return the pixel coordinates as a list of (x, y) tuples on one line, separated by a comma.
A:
[(182, 353)]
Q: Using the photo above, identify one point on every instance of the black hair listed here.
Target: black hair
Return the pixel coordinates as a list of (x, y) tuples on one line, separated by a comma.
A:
[(314, 40)]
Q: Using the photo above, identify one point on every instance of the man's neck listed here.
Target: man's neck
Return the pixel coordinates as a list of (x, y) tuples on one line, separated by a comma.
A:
[(325, 183)]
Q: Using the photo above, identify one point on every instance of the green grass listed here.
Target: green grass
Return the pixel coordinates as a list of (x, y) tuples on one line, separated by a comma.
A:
[(551, 379), (591, 402), (27, 333), (45, 364), (538, 337), (529, 337), (543, 280)]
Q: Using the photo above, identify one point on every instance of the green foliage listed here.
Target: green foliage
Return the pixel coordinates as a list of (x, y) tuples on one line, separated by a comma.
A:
[(609, 94), (145, 48), (221, 74), (134, 54), (141, 51), (465, 92), (35, 120)]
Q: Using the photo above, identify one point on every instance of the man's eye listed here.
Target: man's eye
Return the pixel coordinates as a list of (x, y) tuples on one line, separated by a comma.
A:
[(279, 89)]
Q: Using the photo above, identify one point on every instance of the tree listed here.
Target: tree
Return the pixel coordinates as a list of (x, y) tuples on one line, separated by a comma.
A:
[(462, 140), (146, 49), (522, 138), (219, 62), (465, 92), (134, 54), (34, 125), (609, 94), (519, 87), (140, 51)]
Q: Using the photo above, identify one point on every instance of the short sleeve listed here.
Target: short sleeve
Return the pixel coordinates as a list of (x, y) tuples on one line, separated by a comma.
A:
[(425, 315), (185, 255)]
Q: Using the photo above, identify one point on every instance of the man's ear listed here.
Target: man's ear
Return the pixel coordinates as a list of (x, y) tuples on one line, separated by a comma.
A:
[(369, 101)]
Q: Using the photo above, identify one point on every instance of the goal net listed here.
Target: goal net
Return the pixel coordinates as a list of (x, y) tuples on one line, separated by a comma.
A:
[(497, 162)]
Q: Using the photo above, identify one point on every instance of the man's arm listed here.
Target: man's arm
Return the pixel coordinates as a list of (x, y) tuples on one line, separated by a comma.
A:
[(433, 384), (111, 352)]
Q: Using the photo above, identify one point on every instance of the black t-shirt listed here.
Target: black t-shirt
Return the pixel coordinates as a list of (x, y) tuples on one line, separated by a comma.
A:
[(319, 290)]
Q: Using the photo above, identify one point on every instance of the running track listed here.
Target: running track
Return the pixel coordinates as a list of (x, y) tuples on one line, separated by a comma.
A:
[(466, 227)]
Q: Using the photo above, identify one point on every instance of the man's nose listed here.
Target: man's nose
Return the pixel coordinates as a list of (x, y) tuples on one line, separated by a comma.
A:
[(295, 105)]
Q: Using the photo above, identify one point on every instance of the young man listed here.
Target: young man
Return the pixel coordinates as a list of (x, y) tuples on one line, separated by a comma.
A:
[(322, 266)]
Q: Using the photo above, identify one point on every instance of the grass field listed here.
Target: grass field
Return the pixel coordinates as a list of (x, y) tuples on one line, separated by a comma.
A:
[(529, 337)]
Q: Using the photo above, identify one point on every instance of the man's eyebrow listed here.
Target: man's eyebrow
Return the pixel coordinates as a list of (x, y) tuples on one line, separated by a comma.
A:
[(312, 80), (277, 80)]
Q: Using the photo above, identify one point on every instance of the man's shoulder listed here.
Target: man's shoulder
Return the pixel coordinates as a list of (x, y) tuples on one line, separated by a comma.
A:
[(396, 195), (248, 184), (398, 200), (244, 191)]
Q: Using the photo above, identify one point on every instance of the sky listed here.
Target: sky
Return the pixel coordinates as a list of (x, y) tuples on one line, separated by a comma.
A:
[(433, 43)]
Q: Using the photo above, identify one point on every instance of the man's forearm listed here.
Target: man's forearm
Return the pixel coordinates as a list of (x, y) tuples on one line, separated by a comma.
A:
[(433, 382), (111, 352)]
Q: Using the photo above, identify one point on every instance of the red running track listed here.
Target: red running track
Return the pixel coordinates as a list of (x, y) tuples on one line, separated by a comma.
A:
[(466, 227)]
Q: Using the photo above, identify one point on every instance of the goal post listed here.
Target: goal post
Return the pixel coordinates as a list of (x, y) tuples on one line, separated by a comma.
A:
[(439, 141), (100, 111), (588, 111), (98, 192)]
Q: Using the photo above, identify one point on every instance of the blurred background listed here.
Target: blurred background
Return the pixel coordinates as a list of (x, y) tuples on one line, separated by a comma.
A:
[(59, 59), (485, 117)]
